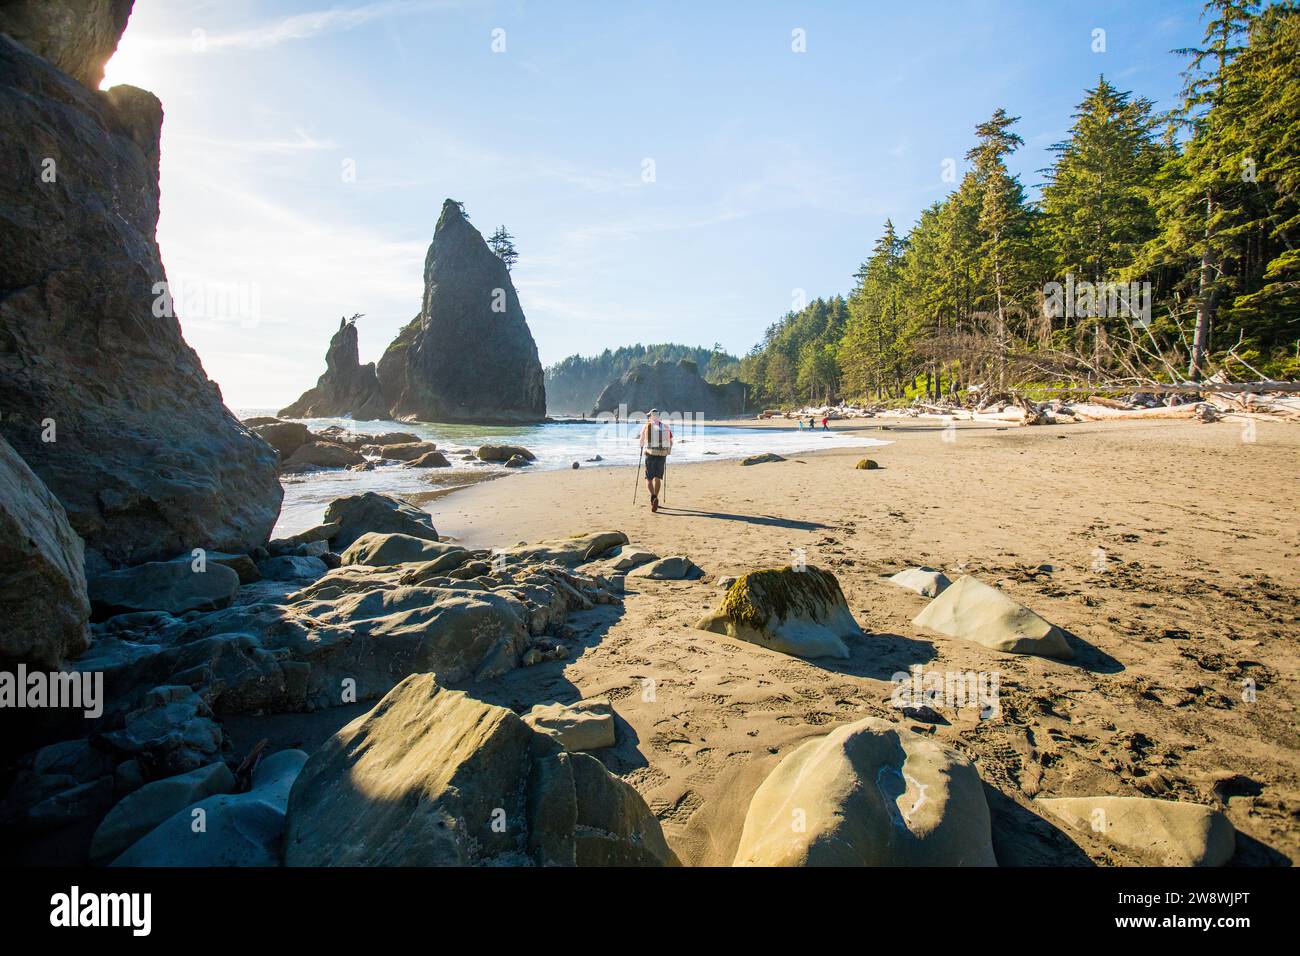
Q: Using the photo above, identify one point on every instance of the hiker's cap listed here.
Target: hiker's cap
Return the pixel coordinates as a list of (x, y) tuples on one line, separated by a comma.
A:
[(654, 411)]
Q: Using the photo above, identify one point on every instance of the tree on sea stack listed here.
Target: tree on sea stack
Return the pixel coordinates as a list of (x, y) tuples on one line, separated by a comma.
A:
[(503, 244)]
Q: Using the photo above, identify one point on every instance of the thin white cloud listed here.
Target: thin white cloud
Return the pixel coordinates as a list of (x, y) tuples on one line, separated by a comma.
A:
[(301, 26)]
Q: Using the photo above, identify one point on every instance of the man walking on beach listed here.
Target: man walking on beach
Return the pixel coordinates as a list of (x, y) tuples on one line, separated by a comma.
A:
[(657, 441)]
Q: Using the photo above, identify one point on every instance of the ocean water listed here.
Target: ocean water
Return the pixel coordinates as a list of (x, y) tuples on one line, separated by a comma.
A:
[(556, 446)]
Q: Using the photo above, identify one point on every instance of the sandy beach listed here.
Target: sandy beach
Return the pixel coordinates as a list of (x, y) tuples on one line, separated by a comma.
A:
[(1173, 550)]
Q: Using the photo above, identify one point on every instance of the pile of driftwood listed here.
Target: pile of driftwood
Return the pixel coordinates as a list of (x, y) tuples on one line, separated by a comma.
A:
[(1208, 401)]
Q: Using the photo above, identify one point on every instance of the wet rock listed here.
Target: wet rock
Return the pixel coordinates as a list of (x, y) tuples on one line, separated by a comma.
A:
[(503, 453), (761, 459), (285, 437), (432, 459), (319, 454), (517, 461)]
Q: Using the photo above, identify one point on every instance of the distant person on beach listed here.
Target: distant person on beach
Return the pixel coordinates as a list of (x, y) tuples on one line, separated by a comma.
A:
[(657, 442), (825, 428)]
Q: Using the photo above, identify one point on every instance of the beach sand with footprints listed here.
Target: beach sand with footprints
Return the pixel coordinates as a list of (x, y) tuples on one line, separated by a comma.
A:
[(1173, 550)]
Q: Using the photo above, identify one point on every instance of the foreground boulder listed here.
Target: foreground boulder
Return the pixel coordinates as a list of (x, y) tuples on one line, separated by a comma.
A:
[(359, 514), (171, 586), (799, 612), (241, 829), (1160, 832), (973, 611), (141, 811), (43, 598), (102, 396), (468, 355), (431, 777), (869, 794), (348, 389)]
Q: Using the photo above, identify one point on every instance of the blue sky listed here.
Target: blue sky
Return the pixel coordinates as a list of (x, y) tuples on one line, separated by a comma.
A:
[(774, 170)]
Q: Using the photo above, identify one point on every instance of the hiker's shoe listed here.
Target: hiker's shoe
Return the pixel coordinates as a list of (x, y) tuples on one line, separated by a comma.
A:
[(654, 503)]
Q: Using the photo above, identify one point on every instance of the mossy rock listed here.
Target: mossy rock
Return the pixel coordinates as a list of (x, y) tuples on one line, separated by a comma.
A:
[(867, 464), (800, 612)]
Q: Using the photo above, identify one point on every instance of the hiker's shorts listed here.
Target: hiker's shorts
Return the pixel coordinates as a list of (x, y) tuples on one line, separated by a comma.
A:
[(654, 465)]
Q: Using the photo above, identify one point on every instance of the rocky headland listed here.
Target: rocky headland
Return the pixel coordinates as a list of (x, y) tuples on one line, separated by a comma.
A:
[(672, 387)]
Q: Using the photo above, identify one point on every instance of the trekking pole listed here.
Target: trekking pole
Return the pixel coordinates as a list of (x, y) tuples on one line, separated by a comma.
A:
[(636, 484)]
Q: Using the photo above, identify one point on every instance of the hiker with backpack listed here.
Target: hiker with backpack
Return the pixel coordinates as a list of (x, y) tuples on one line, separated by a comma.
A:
[(657, 443)]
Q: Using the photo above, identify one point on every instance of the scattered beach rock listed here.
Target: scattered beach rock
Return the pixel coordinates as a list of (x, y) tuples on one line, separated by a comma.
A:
[(359, 514), (171, 586), (43, 599), (172, 732), (517, 461), (795, 612), (926, 582), (291, 567), (867, 464), (319, 454), (503, 453), (404, 451), (379, 550), (285, 437), (570, 551), (869, 794), (242, 564), (675, 568), (971, 610), (627, 560), (321, 532), (240, 829), (151, 804), (761, 459), (586, 725), (432, 777), (1161, 832), (431, 459)]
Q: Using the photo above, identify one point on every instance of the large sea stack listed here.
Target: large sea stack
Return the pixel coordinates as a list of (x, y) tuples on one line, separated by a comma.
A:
[(468, 356), (100, 394), (347, 389), (672, 387)]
